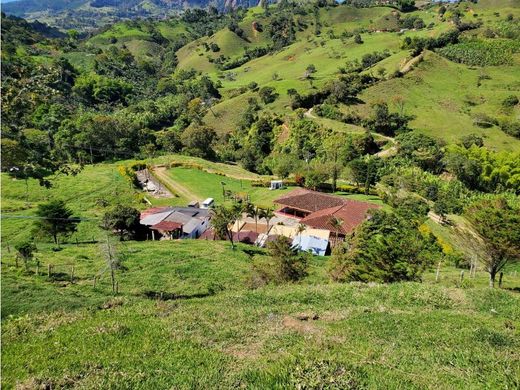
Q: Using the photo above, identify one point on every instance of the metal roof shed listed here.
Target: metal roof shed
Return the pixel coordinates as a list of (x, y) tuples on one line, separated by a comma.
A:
[(317, 246)]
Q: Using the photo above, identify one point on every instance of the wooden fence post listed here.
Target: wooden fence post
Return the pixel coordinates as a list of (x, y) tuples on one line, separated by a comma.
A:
[(438, 272), (461, 277)]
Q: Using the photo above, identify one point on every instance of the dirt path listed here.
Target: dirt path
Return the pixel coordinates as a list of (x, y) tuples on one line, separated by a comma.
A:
[(162, 174)]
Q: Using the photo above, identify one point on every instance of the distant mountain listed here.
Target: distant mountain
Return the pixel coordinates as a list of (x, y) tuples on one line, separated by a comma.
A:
[(89, 14)]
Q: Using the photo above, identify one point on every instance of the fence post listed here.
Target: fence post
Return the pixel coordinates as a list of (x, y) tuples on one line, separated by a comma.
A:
[(49, 269), (500, 279), (461, 277), (95, 278), (438, 272), (37, 268)]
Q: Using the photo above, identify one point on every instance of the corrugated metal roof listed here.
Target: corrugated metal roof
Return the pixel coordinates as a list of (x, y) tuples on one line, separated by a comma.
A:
[(154, 219), (315, 245)]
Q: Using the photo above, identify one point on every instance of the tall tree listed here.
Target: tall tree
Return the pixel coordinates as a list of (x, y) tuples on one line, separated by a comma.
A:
[(222, 221), (268, 214), (385, 248), (497, 224), (123, 220), (54, 218)]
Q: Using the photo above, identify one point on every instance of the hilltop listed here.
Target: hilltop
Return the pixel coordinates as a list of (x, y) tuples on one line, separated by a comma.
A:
[(86, 15)]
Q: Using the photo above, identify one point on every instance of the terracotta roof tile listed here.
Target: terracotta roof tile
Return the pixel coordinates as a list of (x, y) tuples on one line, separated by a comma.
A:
[(352, 213), (309, 201)]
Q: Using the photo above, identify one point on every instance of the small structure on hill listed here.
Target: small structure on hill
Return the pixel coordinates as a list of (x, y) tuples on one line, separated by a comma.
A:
[(207, 203), (176, 222), (276, 184)]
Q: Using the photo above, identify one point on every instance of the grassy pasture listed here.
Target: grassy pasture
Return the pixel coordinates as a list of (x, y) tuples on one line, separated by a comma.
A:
[(365, 336), (428, 92), (207, 185), (217, 332)]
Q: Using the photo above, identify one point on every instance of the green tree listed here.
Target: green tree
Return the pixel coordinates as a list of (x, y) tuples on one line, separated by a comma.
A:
[(497, 224), (55, 219), (267, 214), (290, 264), (222, 220), (364, 171), (198, 140), (253, 212), (123, 220), (25, 250), (336, 224), (267, 94), (317, 174), (385, 248)]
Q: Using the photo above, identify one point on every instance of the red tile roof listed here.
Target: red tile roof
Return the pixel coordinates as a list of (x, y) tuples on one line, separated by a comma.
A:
[(167, 226), (309, 201), (352, 213)]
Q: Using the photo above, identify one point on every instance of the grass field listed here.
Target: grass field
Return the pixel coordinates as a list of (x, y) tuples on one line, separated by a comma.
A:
[(218, 333), (428, 93), (212, 330), (205, 185)]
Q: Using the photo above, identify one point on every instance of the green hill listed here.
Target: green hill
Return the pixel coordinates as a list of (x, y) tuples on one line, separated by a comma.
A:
[(414, 111)]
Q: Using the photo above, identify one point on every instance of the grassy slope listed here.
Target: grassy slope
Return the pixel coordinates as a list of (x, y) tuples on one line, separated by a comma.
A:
[(220, 333), (428, 89), (429, 94), (365, 336)]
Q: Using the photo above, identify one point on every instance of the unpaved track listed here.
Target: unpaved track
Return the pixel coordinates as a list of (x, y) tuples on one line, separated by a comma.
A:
[(162, 174)]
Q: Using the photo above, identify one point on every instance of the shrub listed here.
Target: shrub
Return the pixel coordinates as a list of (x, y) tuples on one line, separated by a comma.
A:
[(510, 101), (290, 265), (511, 127), (483, 120)]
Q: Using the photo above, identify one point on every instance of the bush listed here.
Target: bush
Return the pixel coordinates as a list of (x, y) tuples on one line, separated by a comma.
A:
[(510, 101), (484, 120), (511, 127), (290, 265)]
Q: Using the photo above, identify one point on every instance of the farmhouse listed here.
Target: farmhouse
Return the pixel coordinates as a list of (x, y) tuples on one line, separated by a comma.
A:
[(176, 222), (320, 211)]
